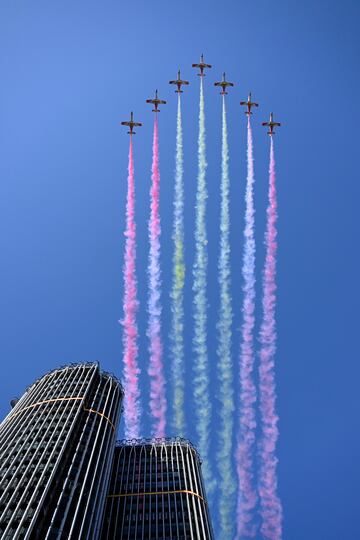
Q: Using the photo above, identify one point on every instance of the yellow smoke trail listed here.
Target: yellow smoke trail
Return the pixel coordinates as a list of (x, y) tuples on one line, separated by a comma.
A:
[(177, 291)]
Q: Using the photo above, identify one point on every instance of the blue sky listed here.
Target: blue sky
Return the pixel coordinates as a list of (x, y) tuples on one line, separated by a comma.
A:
[(70, 72)]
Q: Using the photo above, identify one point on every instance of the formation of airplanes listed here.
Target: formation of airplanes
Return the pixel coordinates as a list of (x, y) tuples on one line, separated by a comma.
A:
[(223, 84)]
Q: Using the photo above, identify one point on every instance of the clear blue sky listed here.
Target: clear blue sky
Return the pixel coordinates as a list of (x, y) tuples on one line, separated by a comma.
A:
[(70, 72)]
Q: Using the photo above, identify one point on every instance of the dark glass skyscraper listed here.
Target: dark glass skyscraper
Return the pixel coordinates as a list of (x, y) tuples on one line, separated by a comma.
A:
[(56, 448), (156, 492)]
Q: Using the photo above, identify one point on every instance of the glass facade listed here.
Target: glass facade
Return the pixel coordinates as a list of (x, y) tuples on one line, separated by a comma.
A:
[(56, 448), (156, 492)]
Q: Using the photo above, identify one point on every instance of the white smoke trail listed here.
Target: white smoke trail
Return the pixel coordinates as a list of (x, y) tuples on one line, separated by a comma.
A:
[(246, 527), (201, 365), (225, 375), (177, 291)]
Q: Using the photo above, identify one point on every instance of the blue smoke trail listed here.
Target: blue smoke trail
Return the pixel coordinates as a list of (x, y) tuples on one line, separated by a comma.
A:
[(225, 375)]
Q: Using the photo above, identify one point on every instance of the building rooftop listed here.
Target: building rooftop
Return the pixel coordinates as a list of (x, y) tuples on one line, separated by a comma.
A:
[(152, 441), (74, 365)]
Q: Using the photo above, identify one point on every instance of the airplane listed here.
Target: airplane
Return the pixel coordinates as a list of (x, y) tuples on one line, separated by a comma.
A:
[(131, 124), (201, 66), (271, 124), (249, 104), (156, 101), (179, 82), (224, 84)]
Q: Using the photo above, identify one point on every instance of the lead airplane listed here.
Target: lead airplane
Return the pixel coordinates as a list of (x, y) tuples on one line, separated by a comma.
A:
[(131, 124), (156, 101), (249, 104), (271, 124), (224, 84), (179, 82), (201, 66)]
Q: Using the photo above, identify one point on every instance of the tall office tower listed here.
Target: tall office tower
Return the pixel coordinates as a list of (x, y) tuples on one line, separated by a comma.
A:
[(56, 448), (156, 492)]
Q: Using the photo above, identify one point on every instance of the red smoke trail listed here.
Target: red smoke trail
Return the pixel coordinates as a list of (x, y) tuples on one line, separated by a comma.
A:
[(158, 404), (270, 505), (131, 370), (246, 502)]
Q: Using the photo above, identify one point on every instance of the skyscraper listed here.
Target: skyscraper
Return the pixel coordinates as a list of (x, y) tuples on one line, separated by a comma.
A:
[(156, 492), (56, 448)]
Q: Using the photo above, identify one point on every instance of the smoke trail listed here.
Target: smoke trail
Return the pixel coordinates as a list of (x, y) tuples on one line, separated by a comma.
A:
[(226, 393), (177, 292), (130, 304), (158, 403), (270, 504), (247, 420), (201, 367)]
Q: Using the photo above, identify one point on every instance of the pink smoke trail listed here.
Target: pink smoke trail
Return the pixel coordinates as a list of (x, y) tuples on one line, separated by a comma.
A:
[(246, 501), (130, 304), (158, 404), (270, 504)]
